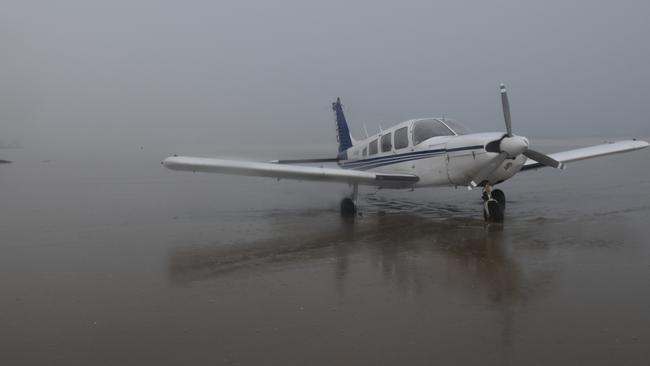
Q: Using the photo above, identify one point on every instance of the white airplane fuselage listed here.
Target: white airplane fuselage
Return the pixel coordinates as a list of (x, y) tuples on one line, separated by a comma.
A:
[(437, 161)]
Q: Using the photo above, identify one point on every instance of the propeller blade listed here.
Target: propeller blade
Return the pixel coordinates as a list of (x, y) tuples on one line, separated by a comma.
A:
[(543, 159), (506, 109), (487, 170)]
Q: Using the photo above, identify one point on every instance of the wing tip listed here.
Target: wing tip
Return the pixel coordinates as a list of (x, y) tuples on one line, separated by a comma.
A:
[(642, 143), (170, 161)]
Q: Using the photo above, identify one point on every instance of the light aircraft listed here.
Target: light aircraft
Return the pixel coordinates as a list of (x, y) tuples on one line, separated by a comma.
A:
[(425, 152)]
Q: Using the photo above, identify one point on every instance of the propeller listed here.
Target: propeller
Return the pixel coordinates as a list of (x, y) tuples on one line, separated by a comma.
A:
[(543, 159), (506, 109), (511, 146)]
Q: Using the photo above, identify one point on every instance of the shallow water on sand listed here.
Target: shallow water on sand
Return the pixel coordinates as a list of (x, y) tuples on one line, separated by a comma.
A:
[(114, 260)]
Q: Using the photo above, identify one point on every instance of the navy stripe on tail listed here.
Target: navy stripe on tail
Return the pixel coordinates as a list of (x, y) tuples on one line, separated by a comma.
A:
[(342, 130)]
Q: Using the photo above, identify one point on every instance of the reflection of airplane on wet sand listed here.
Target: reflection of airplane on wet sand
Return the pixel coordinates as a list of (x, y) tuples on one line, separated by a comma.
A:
[(470, 250), (442, 264), (408, 251), (429, 152)]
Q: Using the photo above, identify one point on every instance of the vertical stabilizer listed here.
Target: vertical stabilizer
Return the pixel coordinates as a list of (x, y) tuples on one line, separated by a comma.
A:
[(342, 130)]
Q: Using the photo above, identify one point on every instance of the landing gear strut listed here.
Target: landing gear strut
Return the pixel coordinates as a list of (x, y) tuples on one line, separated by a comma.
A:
[(348, 204), (494, 204)]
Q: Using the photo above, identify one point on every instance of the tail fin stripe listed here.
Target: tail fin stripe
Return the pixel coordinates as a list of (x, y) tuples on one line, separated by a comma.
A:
[(342, 131)]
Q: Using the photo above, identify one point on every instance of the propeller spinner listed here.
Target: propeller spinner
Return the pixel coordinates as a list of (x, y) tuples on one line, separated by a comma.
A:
[(511, 146)]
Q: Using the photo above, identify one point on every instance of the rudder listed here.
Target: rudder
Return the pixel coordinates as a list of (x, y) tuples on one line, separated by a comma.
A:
[(342, 131)]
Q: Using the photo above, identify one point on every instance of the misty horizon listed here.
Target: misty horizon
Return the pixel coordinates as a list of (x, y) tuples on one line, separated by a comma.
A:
[(84, 73)]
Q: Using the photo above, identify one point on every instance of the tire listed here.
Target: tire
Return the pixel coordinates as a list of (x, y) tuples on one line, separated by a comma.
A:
[(348, 208), (496, 211), (498, 195)]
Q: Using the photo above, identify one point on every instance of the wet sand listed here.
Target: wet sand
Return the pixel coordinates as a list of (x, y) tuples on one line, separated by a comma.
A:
[(110, 260)]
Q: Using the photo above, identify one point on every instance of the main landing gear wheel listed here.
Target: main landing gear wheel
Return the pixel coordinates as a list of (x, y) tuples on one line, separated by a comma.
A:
[(348, 208), (494, 207), (348, 204)]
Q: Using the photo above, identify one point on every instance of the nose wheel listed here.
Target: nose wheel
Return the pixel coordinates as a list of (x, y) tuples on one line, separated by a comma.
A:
[(494, 204)]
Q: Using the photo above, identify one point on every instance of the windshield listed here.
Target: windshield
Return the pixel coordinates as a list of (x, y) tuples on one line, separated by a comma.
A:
[(428, 128), (456, 126)]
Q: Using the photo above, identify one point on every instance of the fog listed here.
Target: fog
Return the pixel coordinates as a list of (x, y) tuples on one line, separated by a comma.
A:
[(81, 75), (108, 258)]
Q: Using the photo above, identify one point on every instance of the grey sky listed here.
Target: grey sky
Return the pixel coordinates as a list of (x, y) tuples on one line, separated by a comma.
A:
[(141, 72)]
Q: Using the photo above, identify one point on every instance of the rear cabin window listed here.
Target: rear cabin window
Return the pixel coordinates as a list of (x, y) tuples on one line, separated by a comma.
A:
[(429, 128), (386, 143), (401, 138), (373, 147)]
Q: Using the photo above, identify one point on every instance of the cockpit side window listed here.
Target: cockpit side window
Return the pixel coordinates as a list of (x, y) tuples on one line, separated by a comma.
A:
[(428, 128), (372, 146), (365, 151), (386, 143), (401, 138)]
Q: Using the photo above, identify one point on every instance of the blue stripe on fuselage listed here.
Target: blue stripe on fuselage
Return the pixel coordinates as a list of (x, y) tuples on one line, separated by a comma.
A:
[(394, 159), (414, 153)]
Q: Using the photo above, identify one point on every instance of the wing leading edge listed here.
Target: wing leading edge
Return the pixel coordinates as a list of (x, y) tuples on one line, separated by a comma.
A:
[(590, 152), (281, 171)]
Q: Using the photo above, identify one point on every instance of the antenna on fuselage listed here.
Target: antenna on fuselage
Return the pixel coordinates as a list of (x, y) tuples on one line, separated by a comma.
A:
[(380, 129), (365, 130)]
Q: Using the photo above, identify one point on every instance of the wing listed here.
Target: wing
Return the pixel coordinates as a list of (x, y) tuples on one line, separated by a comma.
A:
[(280, 171), (590, 152)]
